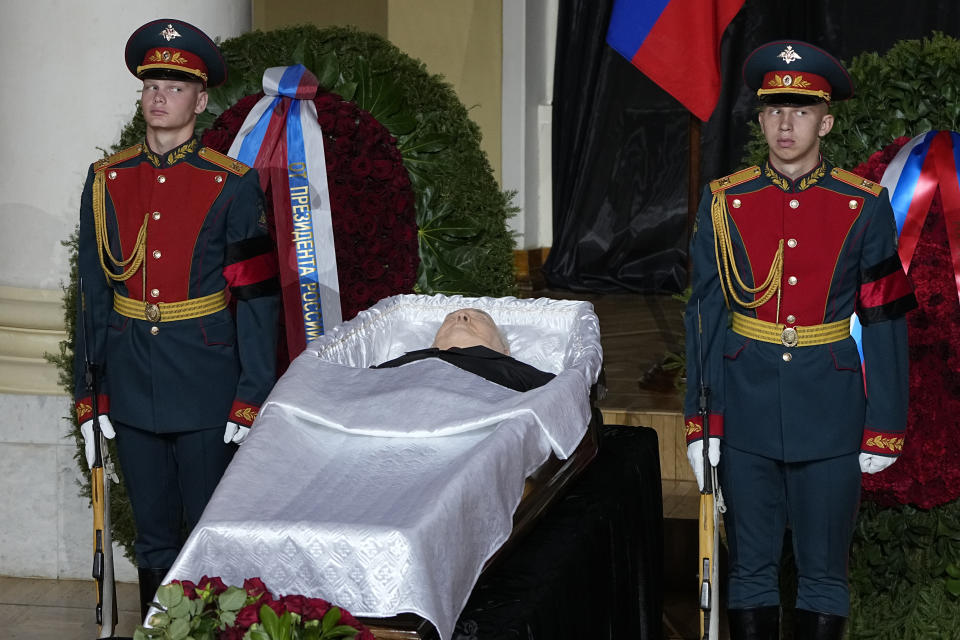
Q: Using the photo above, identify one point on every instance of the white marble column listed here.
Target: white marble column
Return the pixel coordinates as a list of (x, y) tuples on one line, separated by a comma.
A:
[(67, 94), (529, 43)]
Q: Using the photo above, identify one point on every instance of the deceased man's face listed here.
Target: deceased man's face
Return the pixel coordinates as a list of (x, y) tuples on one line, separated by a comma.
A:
[(470, 328)]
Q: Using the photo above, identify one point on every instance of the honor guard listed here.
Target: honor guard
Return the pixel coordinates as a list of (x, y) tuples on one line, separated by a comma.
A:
[(179, 281), (783, 255)]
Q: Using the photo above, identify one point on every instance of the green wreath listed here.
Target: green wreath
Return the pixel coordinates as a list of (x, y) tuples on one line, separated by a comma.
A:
[(464, 244)]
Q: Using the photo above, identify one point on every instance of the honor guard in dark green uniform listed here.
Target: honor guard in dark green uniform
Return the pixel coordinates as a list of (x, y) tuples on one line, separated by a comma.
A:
[(179, 298), (783, 255)]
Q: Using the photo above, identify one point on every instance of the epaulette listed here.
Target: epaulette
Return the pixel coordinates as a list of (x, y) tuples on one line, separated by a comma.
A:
[(118, 157), (219, 159), (734, 179), (854, 180)]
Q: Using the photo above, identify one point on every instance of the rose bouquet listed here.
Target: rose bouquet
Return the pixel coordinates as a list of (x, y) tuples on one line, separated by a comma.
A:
[(210, 610)]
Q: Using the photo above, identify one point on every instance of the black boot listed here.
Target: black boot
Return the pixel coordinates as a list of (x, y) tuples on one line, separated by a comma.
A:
[(760, 623), (810, 625), (150, 581)]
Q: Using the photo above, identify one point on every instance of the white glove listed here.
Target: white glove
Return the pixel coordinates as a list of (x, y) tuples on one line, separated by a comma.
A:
[(695, 457), (235, 433), (89, 445), (870, 463)]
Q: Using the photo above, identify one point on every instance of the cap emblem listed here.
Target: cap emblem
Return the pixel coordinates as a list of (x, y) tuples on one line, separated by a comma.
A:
[(166, 56), (788, 55), (169, 33), (787, 81)]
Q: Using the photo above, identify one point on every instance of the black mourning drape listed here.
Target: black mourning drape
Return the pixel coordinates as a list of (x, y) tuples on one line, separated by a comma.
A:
[(620, 143)]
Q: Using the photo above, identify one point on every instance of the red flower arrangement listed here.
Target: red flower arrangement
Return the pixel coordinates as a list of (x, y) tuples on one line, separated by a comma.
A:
[(210, 610), (928, 472), (371, 198)]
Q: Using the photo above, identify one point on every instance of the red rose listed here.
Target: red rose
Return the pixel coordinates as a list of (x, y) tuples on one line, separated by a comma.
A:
[(379, 291), (368, 226), (350, 222), (344, 125), (400, 180), (382, 168), (315, 609), (326, 102), (372, 268), (248, 615), (295, 603), (189, 589), (214, 585), (359, 293), (327, 121), (218, 139), (357, 186), (234, 633), (255, 587), (276, 605), (361, 166), (403, 235), (395, 280)]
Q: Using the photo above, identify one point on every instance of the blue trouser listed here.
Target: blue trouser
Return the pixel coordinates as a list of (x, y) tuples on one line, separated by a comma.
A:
[(169, 479), (819, 499)]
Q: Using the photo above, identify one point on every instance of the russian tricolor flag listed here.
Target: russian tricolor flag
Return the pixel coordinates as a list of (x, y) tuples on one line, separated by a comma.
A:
[(676, 43)]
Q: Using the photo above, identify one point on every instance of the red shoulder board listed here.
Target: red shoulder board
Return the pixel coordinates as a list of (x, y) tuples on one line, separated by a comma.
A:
[(854, 180), (219, 159), (734, 179)]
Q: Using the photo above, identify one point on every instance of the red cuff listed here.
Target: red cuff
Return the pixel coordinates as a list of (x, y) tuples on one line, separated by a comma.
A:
[(243, 414), (84, 407), (884, 444), (695, 427)]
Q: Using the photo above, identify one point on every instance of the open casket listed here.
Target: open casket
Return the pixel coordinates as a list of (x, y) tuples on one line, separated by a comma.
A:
[(387, 491)]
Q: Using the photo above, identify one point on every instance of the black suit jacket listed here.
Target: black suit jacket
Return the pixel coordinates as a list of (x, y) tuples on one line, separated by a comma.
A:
[(487, 363)]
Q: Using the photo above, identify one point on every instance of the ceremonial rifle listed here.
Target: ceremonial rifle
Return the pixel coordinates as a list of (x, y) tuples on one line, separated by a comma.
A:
[(708, 533), (106, 609)]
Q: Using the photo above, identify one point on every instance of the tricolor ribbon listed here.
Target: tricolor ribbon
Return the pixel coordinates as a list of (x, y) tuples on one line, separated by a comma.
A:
[(928, 161), (281, 138)]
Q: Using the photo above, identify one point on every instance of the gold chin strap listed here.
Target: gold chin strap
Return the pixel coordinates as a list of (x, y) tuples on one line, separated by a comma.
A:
[(723, 248), (131, 264)]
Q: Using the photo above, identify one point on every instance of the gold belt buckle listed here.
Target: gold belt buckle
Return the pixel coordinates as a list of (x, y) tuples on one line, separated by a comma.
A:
[(151, 312), (789, 337)]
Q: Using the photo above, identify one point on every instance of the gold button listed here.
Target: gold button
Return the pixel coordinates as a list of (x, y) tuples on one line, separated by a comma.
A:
[(736, 203), (791, 318), (154, 293), (161, 179), (157, 254), (218, 178), (154, 330), (794, 203), (853, 204), (792, 280), (156, 215), (792, 242), (787, 357), (112, 175)]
